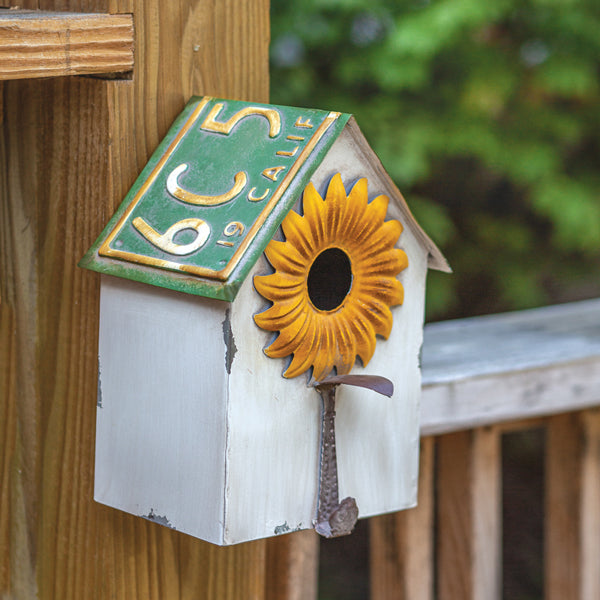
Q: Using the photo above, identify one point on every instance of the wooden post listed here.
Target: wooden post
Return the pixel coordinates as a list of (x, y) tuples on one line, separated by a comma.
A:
[(69, 150)]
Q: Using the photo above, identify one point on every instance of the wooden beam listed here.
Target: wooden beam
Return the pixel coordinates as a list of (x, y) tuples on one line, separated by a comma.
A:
[(469, 515), (572, 523), (51, 44), (401, 544)]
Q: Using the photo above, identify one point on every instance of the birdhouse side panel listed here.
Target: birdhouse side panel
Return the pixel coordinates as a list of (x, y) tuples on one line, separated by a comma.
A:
[(161, 417), (274, 429)]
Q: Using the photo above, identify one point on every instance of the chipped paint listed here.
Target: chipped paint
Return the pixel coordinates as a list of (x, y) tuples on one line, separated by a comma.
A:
[(285, 528), (99, 396), (280, 529), (230, 347), (161, 520)]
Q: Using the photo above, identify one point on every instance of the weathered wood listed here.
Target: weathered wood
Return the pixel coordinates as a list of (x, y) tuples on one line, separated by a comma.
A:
[(512, 366), (44, 44), (469, 501), (401, 544), (70, 147), (572, 524)]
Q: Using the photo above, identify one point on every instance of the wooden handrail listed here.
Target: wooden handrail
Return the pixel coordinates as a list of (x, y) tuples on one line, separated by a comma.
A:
[(52, 44), (513, 366)]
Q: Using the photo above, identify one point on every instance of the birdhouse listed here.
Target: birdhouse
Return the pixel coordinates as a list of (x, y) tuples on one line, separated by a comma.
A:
[(262, 281)]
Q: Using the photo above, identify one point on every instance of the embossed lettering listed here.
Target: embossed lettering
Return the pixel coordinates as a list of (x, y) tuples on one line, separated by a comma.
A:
[(254, 198), (300, 123), (178, 192), (272, 173), (287, 152), (165, 242), (211, 124)]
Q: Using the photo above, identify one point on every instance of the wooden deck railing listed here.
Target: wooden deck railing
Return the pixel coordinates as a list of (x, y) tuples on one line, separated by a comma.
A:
[(482, 378)]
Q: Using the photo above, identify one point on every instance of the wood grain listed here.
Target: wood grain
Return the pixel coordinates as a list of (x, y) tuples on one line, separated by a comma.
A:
[(469, 500), (292, 566), (401, 544), (43, 44), (572, 524), (70, 148)]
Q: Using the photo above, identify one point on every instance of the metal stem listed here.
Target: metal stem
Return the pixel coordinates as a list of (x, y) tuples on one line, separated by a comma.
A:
[(328, 484), (333, 518)]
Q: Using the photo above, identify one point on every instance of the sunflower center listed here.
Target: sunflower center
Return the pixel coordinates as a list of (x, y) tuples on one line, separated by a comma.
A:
[(329, 279)]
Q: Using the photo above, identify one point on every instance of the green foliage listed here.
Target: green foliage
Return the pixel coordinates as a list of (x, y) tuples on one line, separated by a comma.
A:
[(487, 116)]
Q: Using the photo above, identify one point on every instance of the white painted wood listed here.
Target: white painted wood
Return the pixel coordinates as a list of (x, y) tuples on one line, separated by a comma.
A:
[(274, 423), (161, 428), (497, 368), (199, 430)]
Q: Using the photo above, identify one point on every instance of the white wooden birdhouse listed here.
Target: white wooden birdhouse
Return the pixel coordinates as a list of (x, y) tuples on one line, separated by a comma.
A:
[(262, 268)]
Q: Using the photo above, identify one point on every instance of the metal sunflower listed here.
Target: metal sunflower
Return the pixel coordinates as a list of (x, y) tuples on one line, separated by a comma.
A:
[(334, 280)]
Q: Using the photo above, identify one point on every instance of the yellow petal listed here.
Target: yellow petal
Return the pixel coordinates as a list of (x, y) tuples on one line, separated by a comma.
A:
[(298, 234), (346, 345), (285, 258), (278, 286), (378, 208), (386, 289), (379, 315), (304, 355), (365, 338), (280, 315), (312, 204), (388, 263), (289, 337), (325, 357)]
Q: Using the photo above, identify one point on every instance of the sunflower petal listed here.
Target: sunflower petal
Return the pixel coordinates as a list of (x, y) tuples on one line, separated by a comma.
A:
[(378, 209), (289, 338), (346, 346), (278, 286), (285, 258), (379, 315), (387, 289), (312, 204), (389, 263), (304, 355), (299, 234), (365, 339), (280, 315), (325, 357)]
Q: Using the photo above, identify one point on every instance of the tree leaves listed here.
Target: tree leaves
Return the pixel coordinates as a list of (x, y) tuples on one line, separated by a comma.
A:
[(482, 112)]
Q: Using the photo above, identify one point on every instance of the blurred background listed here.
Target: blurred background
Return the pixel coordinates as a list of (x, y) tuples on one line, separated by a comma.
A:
[(487, 116)]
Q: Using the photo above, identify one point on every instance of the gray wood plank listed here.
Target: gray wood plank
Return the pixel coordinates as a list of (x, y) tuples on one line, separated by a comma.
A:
[(524, 364)]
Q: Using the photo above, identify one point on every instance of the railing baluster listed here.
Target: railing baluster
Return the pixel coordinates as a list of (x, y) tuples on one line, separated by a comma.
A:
[(572, 523), (401, 553), (293, 566), (469, 503)]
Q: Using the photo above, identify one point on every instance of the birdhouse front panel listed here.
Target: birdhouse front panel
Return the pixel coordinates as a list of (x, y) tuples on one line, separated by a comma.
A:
[(260, 373)]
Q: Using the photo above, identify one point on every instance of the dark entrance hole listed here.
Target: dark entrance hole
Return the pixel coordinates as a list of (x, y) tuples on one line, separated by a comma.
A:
[(329, 279)]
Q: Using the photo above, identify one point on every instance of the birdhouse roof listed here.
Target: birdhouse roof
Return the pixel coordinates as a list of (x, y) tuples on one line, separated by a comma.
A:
[(216, 190)]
